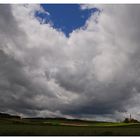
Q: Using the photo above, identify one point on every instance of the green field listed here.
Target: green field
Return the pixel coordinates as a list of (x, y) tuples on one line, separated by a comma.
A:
[(60, 127)]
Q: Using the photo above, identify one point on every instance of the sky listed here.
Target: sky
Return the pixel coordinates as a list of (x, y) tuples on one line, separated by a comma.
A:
[(65, 17), (73, 61)]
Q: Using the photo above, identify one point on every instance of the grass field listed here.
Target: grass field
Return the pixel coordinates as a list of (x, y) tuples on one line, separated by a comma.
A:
[(58, 127)]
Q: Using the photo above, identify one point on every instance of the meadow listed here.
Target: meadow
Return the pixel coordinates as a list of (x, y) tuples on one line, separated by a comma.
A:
[(64, 127)]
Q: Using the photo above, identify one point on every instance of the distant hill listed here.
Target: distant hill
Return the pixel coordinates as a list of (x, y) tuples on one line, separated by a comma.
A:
[(5, 115), (57, 119)]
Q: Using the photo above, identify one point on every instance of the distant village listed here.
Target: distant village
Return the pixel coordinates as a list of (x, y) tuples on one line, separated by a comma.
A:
[(130, 120)]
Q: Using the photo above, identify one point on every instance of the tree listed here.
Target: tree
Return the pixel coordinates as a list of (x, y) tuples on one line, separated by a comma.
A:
[(126, 120)]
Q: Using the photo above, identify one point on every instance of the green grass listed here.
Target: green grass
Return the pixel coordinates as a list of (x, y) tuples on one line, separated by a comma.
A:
[(14, 127)]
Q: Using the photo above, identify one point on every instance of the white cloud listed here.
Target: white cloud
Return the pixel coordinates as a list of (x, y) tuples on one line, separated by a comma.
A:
[(91, 73)]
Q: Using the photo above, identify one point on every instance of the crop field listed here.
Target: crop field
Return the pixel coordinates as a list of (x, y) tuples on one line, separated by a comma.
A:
[(56, 127)]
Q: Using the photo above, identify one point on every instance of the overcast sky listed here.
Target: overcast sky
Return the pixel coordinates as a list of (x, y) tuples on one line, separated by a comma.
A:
[(84, 66)]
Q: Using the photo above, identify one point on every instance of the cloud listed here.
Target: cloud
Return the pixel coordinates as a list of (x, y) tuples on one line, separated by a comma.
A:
[(92, 74)]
